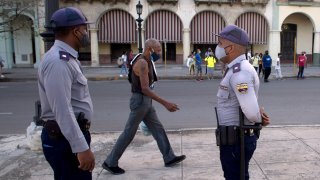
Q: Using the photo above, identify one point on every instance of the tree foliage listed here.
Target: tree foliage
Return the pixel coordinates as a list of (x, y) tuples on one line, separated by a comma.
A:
[(12, 10)]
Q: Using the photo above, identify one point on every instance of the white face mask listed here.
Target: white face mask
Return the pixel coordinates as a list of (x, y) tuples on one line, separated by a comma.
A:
[(220, 52)]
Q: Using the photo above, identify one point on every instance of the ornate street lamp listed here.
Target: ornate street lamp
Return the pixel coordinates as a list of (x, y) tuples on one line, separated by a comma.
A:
[(139, 20)]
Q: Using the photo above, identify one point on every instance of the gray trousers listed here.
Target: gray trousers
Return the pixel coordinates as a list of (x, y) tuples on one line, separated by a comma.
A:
[(141, 109)]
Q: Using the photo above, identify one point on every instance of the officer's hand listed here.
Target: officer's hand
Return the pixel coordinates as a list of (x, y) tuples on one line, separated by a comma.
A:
[(171, 106), (86, 160), (265, 117)]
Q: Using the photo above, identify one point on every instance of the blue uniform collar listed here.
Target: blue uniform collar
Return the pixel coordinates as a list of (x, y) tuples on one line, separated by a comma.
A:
[(237, 60), (67, 48)]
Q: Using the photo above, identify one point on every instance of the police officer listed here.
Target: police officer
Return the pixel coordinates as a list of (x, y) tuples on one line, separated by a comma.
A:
[(239, 87), (65, 100)]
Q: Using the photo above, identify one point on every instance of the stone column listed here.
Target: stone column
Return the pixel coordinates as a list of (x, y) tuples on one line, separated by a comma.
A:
[(274, 45), (94, 47), (186, 43), (316, 49)]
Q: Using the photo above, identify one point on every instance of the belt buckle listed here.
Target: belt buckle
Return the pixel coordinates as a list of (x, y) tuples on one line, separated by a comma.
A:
[(249, 132)]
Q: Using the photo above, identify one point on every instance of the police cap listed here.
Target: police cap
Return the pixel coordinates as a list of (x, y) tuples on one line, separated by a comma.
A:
[(66, 17)]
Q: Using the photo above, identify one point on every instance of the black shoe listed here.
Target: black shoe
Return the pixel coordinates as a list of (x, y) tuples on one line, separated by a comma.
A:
[(175, 161), (113, 170), (266, 80)]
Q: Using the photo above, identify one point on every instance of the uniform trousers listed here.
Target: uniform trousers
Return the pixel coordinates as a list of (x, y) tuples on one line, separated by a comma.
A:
[(230, 158), (61, 159), (141, 109)]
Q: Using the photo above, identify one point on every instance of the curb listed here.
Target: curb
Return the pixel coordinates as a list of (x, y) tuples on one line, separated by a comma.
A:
[(115, 78)]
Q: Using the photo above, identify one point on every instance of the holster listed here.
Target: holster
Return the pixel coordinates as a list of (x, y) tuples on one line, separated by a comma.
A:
[(53, 129), (227, 135)]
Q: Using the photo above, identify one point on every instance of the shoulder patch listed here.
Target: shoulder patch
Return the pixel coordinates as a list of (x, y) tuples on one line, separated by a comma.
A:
[(64, 55), (236, 68), (242, 88)]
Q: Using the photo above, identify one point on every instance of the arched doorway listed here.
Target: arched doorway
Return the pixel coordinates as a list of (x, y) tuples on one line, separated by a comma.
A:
[(296, 36), (203, 27), (23, 42), (116, 33), (167, 28), (257, 28)]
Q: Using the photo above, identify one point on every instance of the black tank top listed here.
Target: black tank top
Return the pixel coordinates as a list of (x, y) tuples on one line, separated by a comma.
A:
[(136, 84)]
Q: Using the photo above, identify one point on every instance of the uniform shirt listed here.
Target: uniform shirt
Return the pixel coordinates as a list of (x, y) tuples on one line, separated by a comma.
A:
[(64, 92), (239, 87)]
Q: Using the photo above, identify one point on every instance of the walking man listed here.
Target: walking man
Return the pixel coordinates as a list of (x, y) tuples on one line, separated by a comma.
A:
[(143, 77), (239, 87), (65, 99)]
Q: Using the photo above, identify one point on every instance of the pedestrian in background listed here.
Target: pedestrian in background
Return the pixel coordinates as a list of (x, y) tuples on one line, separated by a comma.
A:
[(1, 66), (238, 87), (66, 105), (210, 61), (266, 63), (207, 54), (143, 77), (260, 65), (198, 66), (278, 68), (301, 63), (124, 64), (129, 58), (190, 64), (255, 61)]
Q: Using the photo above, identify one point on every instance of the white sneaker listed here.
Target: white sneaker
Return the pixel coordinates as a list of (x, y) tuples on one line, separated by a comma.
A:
[(121, 75), (2, 76)]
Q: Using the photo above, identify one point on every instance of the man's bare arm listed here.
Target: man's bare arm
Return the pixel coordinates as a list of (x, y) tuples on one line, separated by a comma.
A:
[(142, 70)]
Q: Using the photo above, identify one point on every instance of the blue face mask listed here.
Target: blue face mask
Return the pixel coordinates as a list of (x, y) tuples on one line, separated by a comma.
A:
[(154, 56)]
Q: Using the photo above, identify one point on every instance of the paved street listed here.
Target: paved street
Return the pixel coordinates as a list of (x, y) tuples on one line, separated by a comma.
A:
[(289, 102), (288, 149)]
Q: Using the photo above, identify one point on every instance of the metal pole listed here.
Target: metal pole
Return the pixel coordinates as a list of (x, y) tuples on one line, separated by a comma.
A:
[(139, 20), (242, 152), (48, 36), (165, 57)]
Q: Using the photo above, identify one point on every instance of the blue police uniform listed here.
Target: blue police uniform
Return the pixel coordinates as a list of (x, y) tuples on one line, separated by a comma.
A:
[(239, 87), (64, 94)]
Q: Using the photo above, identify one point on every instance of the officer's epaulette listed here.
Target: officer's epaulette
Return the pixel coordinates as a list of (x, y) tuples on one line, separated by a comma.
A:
[(236, 68), (64, 55)]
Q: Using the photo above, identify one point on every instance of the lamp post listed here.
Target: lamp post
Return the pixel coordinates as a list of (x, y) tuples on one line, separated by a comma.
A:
[(139, 20), (48, 36)]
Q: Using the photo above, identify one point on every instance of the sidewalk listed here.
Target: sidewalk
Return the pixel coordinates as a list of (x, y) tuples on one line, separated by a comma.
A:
[(173, 72), (283, 153)]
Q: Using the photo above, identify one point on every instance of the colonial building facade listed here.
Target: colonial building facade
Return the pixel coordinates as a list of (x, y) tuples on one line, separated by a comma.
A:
[(286, 26)]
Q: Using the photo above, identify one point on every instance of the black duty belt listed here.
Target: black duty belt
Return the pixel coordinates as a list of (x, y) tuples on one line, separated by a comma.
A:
[(53, 129)]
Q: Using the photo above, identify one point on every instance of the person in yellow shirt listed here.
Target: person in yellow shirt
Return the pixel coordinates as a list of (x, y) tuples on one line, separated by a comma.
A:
[(211, 61)]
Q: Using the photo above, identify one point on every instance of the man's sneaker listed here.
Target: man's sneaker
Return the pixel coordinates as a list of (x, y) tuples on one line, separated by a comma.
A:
[(175, 161), (113, 170), (2, 76), (121, 75)]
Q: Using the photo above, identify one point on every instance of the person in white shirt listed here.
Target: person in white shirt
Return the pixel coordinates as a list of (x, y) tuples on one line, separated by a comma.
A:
[(278, 68), (124, 64)]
